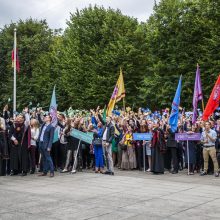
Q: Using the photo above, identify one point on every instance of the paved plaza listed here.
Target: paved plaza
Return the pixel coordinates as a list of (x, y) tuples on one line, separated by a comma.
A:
[(127, 195)]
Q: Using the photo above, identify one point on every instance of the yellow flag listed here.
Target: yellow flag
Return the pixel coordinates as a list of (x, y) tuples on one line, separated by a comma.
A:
[(117, 95)]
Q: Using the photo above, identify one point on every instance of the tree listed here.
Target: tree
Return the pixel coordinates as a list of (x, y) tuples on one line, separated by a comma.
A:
[(34, 40), (180, 35), (97, 42)]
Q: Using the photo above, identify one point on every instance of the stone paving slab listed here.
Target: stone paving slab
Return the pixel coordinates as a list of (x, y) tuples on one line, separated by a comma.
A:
[(127, 195)]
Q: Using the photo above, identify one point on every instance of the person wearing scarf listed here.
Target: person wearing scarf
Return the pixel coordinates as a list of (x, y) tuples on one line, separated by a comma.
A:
[(21, 142), (158, 144)]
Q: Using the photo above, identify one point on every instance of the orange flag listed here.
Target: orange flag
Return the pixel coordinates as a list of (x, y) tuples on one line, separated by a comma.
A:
[(213, 102)]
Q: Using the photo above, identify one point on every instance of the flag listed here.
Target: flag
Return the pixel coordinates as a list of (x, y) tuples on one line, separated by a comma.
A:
[(17, 60), (173, 120), (104, 114), (197, 94), (117, 95), (53, 108), (213, 102)]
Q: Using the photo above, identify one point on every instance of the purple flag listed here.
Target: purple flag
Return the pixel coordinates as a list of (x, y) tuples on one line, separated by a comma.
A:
[(197, 94)]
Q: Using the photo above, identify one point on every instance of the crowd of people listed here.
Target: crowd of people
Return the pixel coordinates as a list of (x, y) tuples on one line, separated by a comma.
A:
[(30, 143)]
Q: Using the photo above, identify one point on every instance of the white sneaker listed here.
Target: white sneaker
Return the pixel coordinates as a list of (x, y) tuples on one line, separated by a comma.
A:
[(148, 170), (73, 171), (64, 171)]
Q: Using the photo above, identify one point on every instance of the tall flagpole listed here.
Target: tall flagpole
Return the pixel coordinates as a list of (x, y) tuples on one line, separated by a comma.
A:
[(202, 96), (15, 62)]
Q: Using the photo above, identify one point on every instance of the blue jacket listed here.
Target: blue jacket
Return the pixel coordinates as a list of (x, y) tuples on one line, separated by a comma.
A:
[(48, 136)]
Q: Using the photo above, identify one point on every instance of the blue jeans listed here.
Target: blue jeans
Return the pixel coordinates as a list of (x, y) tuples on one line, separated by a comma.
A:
[(99, 163), (46, 159)]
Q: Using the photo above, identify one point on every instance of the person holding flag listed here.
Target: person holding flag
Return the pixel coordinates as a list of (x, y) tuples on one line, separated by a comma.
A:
[(46, 137), (172, 127)]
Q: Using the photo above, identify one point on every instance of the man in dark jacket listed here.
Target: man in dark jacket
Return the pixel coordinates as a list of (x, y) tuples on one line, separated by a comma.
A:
[(107, 137), (45, 144)]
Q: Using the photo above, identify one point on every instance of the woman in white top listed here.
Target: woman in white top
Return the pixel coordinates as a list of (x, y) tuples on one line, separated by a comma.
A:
[(32, 150)]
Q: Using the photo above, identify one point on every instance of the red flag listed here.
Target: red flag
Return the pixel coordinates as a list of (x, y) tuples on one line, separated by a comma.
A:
[(17, 60), (213, 102)]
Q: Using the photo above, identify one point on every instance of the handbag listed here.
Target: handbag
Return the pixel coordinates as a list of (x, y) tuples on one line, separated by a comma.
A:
[(97, 142)]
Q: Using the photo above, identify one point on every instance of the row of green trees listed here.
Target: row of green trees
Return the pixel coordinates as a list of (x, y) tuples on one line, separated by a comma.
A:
[(84, 59)]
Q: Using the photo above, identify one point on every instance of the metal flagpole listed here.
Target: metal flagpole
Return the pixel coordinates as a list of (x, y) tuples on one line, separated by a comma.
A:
[(15, 61)]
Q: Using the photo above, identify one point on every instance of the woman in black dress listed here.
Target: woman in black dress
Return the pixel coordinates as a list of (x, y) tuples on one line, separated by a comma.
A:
[(158, 148)]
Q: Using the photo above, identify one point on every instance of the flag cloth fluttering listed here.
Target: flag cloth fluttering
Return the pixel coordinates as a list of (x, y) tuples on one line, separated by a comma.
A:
[(17, 60), (173, 121), (53, 108), (197, 94), (213, 102), (104, 114), (117, 95)]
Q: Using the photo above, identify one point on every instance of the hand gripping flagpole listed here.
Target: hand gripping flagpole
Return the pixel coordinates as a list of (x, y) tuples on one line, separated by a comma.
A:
[(15, 61)]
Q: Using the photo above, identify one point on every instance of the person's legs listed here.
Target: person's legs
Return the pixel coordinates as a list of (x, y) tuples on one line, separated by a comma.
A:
[(149, 163), (109, 158), (68, 159), (55, 154), (105, 155), (32, 151), (212, 153), (206, 159), (100, 156), (174, 159), (96, 152), (49, 162), (43, 158)]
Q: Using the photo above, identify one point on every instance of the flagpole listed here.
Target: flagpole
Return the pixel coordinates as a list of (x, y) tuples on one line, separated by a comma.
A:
[(203, 105), (15, 61), (202, 96)]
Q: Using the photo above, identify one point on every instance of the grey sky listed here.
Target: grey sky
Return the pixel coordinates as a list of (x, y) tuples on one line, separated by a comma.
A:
[(56, 12)]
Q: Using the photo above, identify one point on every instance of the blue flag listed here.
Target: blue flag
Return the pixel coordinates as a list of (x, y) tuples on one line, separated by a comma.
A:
[(53, 108), (173, 121)]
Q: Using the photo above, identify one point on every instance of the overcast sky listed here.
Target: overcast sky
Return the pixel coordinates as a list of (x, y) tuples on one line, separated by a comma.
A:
[(56, 12)]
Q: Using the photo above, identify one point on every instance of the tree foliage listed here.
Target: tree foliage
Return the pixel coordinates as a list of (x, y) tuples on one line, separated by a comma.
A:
[(181, 34), (84, 60)]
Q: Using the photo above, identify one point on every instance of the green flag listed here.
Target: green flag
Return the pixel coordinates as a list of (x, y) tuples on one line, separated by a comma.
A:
[(104, 114)]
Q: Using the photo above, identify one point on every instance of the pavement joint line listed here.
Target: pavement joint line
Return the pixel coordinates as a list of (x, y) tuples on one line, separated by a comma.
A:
[(99, 215), (195, 206)]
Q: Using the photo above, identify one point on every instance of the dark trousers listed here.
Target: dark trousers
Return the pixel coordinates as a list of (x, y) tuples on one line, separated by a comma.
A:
[(46, 159), (62, 155), (139, 153), (174, 158), (55, 154), (32, 156), (86, 156)]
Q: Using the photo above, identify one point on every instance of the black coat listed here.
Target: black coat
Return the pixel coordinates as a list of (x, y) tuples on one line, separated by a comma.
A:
[(110, 130), (171, 142)]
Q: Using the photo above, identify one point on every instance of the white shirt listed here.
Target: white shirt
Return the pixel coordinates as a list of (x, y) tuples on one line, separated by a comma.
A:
[(212, 134), (2, 124), (104, 135), (34, 136), (42, 133)]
